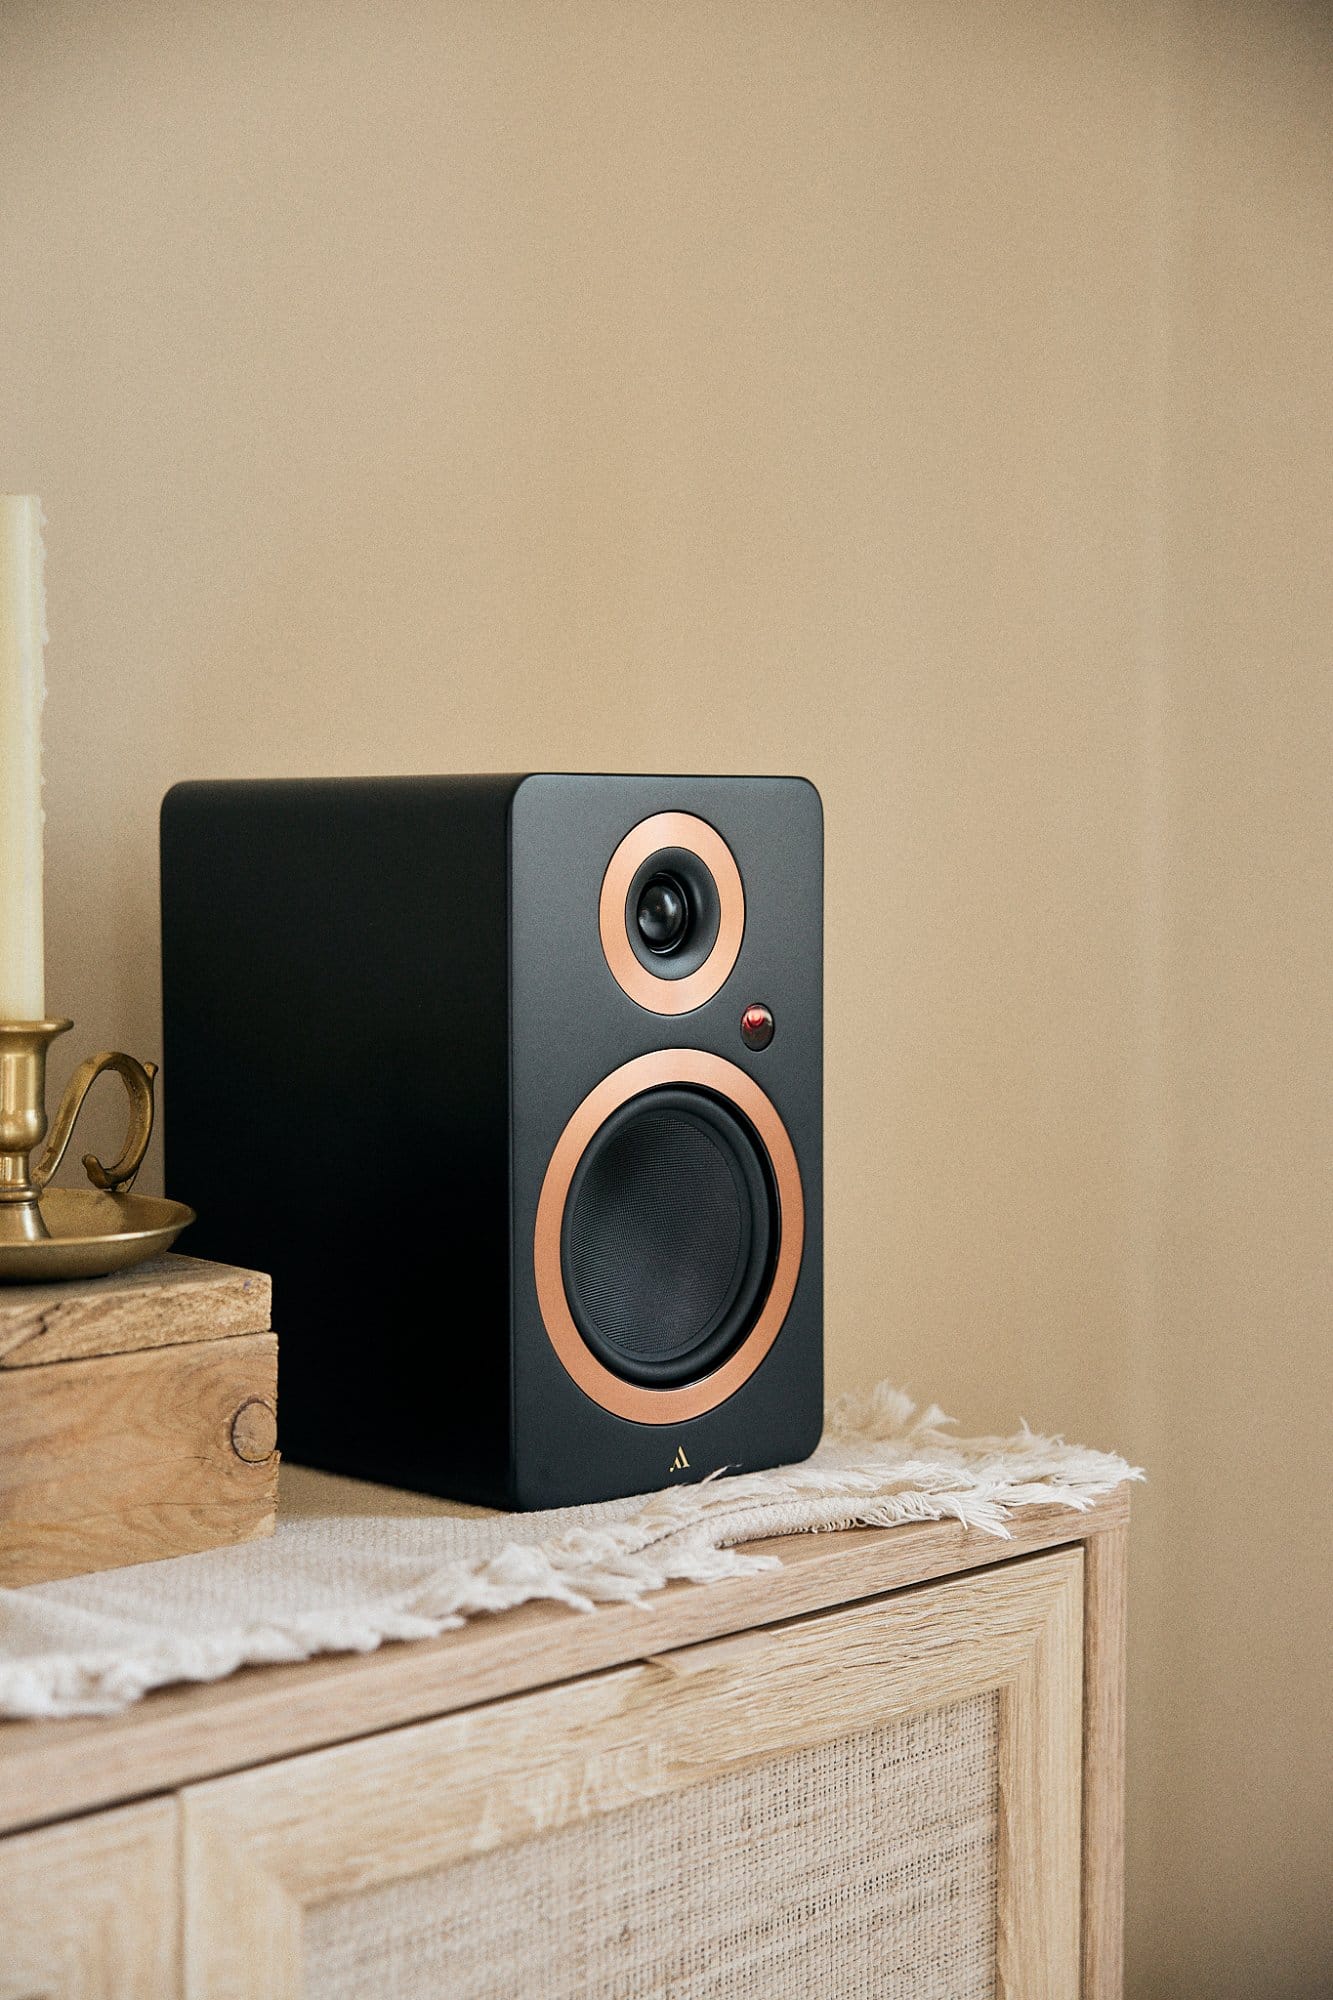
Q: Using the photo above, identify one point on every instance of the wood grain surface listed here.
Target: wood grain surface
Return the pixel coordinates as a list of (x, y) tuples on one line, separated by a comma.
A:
[(131, 1457), (1041, 1757), (91, 1911), (159, 1304), (264, 1847), (1104, 1632), (180, 1734)]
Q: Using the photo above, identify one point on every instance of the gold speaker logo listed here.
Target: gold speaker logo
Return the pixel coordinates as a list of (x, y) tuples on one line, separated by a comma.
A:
[(680, 1463)]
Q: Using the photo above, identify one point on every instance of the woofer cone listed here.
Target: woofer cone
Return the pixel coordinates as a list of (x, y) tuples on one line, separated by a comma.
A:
[(656, 1402), (670, 1235)]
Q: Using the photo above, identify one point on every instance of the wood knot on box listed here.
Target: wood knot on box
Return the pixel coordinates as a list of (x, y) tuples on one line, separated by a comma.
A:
[(136, 1418), (254, 1431)]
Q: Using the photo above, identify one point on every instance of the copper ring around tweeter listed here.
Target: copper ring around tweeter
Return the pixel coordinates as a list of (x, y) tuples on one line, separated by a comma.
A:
[(650, 989), (609, 1390)]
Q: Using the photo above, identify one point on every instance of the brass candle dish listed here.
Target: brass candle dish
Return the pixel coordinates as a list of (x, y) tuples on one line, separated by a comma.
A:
[(51, 1233)]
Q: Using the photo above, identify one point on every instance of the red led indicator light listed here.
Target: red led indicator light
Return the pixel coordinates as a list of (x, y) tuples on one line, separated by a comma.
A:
[(757, 1026)]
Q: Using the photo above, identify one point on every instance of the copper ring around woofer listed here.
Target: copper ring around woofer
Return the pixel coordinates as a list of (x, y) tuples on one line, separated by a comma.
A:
[(733, 1087), (649, 989)]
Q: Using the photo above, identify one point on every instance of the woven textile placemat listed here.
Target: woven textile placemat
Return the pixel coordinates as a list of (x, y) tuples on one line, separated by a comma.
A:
[(352, 1565)]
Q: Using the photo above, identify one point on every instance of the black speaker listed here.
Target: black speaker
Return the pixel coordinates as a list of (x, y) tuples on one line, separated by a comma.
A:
[(514, 1085)]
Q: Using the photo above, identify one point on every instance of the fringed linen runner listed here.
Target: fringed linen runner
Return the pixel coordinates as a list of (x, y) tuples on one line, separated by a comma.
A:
[(354, 1565)]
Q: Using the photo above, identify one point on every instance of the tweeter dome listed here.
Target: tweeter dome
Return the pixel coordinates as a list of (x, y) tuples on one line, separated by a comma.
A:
[(515, 1085)]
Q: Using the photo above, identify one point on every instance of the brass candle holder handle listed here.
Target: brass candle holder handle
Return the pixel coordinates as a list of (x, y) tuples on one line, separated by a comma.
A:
[(48, 1232), (138, 1080)]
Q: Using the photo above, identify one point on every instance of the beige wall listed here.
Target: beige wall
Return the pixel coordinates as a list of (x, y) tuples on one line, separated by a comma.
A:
[(1236, 1381), (934, 399)]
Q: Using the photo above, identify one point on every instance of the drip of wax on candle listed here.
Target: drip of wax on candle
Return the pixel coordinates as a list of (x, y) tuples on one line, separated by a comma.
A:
[(22, 694)]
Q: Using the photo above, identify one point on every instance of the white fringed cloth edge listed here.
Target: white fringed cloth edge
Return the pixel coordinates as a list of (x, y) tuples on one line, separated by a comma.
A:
[(353, 1565)]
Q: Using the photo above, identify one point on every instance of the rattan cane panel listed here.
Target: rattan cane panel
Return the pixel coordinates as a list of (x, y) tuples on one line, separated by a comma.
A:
[(862, 1868)]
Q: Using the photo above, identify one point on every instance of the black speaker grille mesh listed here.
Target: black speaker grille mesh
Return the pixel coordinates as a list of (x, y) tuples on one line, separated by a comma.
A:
[(668, 1232)]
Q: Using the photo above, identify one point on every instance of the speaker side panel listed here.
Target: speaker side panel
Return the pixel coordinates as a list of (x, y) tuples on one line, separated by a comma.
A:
[(335, 1022), (572, 1025)]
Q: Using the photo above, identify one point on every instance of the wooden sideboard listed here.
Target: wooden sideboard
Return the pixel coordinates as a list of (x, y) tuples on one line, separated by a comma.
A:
[(891, 1765)]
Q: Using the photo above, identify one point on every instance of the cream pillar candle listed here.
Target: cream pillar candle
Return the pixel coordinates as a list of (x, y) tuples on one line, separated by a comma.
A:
[(22, 692)]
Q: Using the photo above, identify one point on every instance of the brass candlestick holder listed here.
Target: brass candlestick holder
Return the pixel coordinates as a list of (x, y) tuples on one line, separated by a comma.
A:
[(51, 1233)]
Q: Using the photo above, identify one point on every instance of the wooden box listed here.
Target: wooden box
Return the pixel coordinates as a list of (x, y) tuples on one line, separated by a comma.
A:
[(138, 1418), (892, 1764)]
